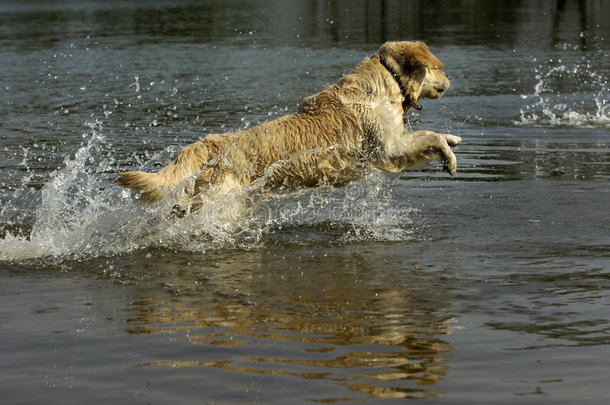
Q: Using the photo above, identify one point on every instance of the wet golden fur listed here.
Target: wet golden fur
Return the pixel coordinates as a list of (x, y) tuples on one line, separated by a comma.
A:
[(336, 134)]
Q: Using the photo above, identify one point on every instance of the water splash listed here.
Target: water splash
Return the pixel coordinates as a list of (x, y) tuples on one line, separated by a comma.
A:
[(73, 211), (81, 213), (366, 210), (570, 95)]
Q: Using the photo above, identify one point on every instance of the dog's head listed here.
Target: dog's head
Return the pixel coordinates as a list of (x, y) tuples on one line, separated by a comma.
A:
[(416, 69)]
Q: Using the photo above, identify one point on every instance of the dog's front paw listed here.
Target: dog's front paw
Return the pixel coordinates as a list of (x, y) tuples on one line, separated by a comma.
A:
[(452, 140), (449, 160), (450, 164)]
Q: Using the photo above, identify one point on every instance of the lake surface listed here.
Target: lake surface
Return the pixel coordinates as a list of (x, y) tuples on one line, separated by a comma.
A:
[(492, 286)]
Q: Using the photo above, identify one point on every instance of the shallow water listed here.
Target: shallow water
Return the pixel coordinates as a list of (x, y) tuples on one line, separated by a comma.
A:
[(489, 286)]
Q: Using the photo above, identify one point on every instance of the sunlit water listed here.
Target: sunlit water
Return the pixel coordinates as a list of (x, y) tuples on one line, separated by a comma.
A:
[(492, 285)]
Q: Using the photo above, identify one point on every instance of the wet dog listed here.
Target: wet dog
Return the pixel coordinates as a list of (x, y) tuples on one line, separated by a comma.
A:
[(334, 137)]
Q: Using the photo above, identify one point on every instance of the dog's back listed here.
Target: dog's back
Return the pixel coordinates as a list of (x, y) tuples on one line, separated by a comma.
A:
[(318, 144)]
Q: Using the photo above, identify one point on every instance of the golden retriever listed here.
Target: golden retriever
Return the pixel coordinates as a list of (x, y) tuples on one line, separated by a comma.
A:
[(336, 134)]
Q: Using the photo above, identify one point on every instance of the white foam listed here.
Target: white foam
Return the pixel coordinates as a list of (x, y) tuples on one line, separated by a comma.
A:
[(570, 95)]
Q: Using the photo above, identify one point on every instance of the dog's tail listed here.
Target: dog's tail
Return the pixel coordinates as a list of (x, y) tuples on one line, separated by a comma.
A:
[(152, 186), (156, 186)]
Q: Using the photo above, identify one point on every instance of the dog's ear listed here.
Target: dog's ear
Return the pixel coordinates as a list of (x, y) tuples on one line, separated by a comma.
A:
[(407, 59), (409, 56), (421, 55)]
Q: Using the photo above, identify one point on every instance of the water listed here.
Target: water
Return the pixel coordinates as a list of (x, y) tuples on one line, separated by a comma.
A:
[(492, 285)]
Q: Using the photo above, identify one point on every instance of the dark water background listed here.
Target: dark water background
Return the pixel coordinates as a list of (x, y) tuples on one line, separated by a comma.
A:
[(492, 286)]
